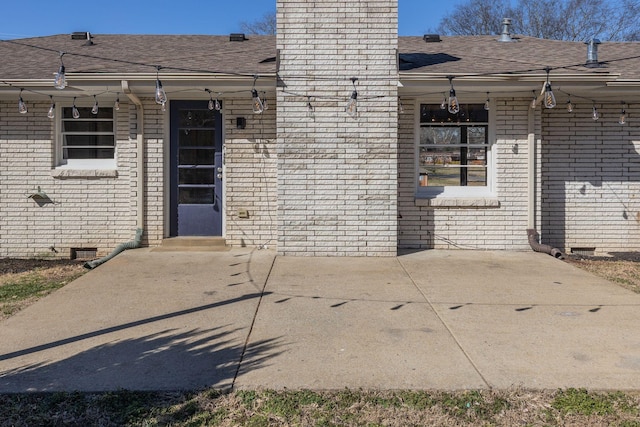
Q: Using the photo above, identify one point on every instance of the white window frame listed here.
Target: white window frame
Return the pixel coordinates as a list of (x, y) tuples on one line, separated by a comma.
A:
[(83, 164), (488, 191)]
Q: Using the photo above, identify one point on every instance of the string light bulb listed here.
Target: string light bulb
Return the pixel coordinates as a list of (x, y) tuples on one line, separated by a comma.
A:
[(595, 115), (94, 109), (452, 103), (623, 115), (161, 96), (60, 80), (486, 103), (256, 102), (569, 106), (116, 105), (549, 97), (443, 104), (74, 110), (352, 105), (22, 107), (52, 109)]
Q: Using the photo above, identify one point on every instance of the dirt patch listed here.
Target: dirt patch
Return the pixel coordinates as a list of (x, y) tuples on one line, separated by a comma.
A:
[(24, 281), (620, 268)]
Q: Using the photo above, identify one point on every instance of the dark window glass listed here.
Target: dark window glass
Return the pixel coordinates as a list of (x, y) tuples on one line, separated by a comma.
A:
[(89, 137), (453, 148)]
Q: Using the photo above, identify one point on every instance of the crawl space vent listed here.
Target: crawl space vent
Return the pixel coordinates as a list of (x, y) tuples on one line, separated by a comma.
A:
[(583, 251), (84, 253)]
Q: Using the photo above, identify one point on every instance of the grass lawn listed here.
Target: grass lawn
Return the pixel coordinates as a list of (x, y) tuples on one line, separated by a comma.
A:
[(24, 281)]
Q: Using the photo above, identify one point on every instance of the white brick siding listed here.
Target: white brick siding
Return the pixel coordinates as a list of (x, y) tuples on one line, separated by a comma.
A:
[(250, 174), (86, 212), (591, 179), (444, 227), (337, 176)]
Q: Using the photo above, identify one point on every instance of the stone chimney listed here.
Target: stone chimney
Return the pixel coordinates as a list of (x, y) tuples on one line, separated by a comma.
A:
[(337, 173)]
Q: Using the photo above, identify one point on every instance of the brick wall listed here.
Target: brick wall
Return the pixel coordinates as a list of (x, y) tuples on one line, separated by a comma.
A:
[(250, 174), (83, 213), (337, 175), (591, 179), (485, 227)]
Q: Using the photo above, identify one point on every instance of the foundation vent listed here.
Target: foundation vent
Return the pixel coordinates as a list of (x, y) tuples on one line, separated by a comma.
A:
[(84, 253), (583, 251)]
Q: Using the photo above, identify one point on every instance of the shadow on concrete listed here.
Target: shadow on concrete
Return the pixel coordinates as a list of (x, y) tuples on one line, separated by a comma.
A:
[(167, 360), (172, 359), (127, 326)]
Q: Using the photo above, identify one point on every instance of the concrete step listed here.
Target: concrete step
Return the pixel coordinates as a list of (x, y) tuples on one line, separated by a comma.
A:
[(192, 244)]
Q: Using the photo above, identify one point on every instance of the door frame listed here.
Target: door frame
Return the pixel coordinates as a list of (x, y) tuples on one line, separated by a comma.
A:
[(174, 107)]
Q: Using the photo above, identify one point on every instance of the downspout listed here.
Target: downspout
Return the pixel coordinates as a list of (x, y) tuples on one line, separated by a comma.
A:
[(532, 235), (137, 242)]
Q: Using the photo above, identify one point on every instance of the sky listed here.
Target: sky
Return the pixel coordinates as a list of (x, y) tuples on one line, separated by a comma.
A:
[(34, 18)]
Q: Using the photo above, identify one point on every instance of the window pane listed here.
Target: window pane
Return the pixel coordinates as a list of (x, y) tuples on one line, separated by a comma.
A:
[(85, 113), (474, 113), (195, 176), (89, 137), (476, 135), (196, 156), (477, 156), (87, 126), (439, 176), (439, 135), (89, 140), (440, 156), (85, 153), (476, 176), (198, 119), (453, 149), (197, 138), (197, 196)]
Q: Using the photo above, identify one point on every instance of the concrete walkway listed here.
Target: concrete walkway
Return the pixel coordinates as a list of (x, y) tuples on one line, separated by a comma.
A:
[(248, 319)]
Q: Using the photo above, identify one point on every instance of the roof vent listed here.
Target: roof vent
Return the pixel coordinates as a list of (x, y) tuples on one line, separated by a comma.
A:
[(592, 53), (431, 38), (83, 35), (506, 31), (237, 37)]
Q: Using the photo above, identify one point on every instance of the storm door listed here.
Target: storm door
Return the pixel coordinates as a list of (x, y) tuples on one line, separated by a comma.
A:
[(196, 170)]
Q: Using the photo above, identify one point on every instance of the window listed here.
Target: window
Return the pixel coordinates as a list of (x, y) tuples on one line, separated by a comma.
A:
[(453, 151), (88, 141)]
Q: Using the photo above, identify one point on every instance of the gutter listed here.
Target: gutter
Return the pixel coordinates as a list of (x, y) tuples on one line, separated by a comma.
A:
[(532, 235), (137, 241)]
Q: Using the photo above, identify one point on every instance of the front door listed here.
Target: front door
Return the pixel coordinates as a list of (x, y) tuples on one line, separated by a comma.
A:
[(196, 169)]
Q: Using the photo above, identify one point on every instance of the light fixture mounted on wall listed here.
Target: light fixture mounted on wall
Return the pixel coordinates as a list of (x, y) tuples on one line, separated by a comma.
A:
[(352, 105)]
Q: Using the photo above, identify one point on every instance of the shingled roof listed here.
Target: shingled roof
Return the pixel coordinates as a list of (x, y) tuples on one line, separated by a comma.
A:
[(37, 58), (486, 55)]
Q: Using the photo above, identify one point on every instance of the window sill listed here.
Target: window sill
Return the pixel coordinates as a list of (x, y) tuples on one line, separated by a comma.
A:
[(62, 173), (458, 202)]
